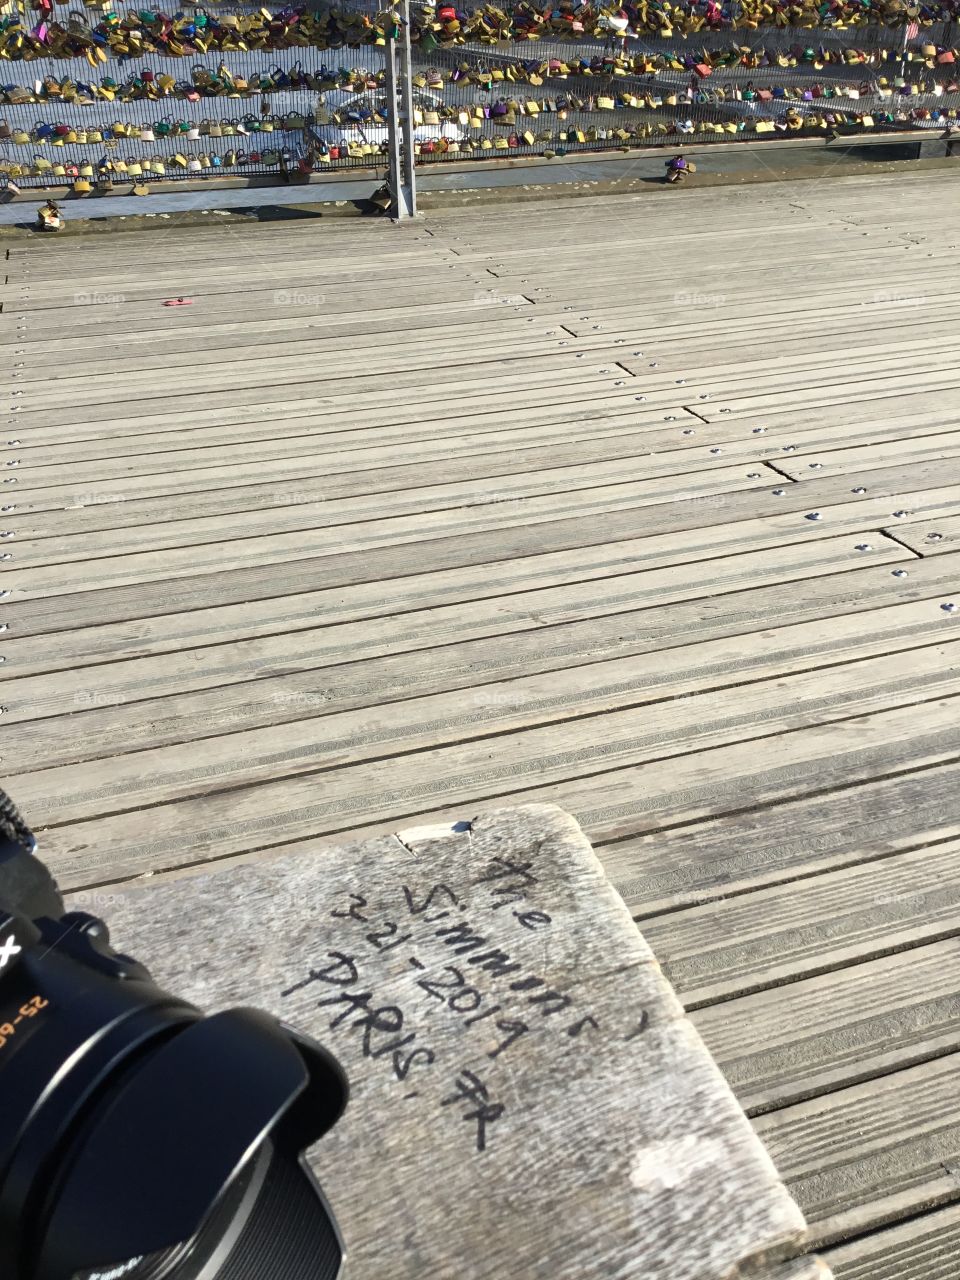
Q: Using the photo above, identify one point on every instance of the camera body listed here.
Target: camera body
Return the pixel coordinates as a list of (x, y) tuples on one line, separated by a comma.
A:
[(139, 1139)]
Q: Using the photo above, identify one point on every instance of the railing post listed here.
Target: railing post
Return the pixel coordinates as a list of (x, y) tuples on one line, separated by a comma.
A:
[(401, 179)]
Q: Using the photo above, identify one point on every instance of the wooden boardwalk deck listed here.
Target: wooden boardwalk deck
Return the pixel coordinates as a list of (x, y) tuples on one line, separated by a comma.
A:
[(648, 507)]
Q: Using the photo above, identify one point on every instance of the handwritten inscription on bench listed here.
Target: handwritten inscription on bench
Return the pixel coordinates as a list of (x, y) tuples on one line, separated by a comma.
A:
[(456, 970)]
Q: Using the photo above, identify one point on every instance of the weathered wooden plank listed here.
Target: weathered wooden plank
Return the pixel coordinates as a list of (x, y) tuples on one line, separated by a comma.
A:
[(712, 311), (928, 537), (381, 406), (819, 337), (154, 278), (362, 385), (340, 526), (483, 535), (488, 478), (813, 1037), (540, 332), (871, 1154), (68, 311), (854, 822), (37, 290), (664, 335), (924, 1248), (103, 508), (596, 400), (608, 432), (179, 334), (838, 393), (430, 611), (527, 716), (651, 1151), (725, 382), (915, 407), (597, 776), (516, 386), (346, 499), (166, 321), (510, 640), (880, 453), (398, 349), (125, 704), (401, 369), (776, 370), (796, 1269), (754, 941), (521, 247), (602, 419)]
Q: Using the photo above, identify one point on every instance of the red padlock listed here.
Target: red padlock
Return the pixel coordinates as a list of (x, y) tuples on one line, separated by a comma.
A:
[(334, 153), (447, 13)]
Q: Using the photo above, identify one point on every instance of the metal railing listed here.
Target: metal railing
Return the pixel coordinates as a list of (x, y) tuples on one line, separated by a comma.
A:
[(392, 104)]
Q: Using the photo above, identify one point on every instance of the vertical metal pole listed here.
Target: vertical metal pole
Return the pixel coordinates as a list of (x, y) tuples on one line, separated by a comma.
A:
[(400, 119), (408, 156)]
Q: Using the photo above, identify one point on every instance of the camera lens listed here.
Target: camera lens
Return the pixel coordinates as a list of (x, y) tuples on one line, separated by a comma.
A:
[(144, 1141), (271, 1224), (141, 1140), (187, 1259)]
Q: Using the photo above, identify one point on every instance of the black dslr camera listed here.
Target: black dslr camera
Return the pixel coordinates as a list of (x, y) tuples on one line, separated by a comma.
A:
[(140, 1140)]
